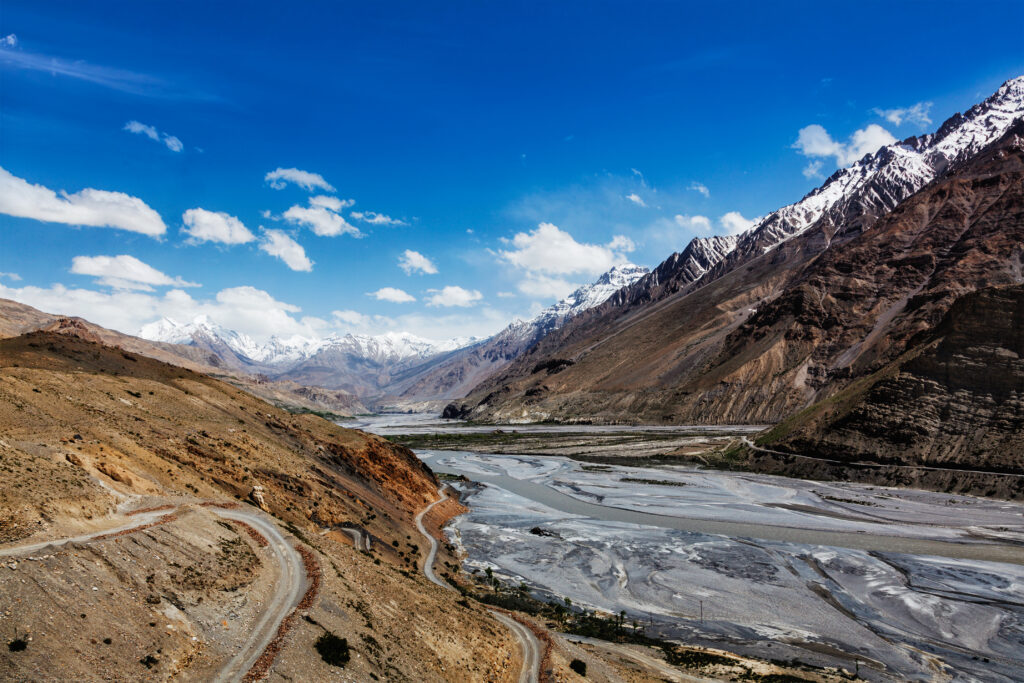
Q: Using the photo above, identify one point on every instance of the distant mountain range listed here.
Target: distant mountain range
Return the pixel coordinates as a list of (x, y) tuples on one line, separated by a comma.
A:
[(395, 364)]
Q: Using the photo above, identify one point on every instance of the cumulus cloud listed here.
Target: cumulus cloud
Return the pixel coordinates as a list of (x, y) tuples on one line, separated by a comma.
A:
[(916, 114), (214, 226), (453, 295), (414, 262), (323, 216), (814, 141), (374, 218), (392, 294), (552, 251), (170, 141), (636, 199), (734, 222), (280, 177), (89, 207), (11, 276), (699, 187), (125, 272), (695, 223), (278, 243)]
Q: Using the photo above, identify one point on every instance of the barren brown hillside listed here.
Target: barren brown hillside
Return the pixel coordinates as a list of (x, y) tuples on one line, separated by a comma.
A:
[(91, 434)]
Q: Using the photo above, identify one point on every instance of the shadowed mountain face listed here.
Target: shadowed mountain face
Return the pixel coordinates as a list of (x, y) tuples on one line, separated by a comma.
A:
[(953, 400), (777, 326)]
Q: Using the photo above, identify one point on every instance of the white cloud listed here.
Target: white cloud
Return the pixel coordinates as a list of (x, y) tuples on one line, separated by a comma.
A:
[(695, 223), (552, 251), (215, 226), (10, 40), (11, 276), (374, 218), (172, 142), (392, 294), (622, 243), (916, 114), (280, 177), (814, 141), (322, 216), (540, 286), (278, 243), (332, 203), (142, 129), (636, 199), (96, 208), (414, 262), (453, 295), (734, 222), (699, 187), (125, 272), (813, 169)]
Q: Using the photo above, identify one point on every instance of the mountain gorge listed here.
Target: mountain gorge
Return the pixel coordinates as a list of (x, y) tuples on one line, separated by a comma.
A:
[(813, 299)]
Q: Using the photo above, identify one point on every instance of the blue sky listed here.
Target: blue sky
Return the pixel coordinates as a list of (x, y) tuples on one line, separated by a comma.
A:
[(502, 152)]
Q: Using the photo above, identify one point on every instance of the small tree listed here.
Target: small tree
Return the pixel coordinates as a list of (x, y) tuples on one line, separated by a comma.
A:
[(332, 649), (579, 666)]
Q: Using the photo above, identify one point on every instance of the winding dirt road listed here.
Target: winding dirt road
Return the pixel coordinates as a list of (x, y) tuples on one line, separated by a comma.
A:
[(532, 650), (288, 590), (289, 586)]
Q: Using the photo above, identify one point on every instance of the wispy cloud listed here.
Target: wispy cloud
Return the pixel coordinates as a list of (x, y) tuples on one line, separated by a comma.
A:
[(280, 177), (123, 80), (171, 141), (916, 114), (374, 218), (699, 187), (636, 199)]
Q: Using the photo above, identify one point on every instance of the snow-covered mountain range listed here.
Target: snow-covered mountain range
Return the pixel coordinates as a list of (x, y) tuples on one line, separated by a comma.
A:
[(282, 352), (369, 364)]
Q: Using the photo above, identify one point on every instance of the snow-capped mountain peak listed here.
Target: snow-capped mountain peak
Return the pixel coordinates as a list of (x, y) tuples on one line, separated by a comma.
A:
[(879, 181)]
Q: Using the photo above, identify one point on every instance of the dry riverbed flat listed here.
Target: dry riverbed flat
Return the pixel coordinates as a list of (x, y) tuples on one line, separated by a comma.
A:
[(899, 583)]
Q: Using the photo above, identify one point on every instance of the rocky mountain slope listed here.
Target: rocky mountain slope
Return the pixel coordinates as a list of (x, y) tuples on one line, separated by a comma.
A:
[(457, 373), (815, 296), (148, 465), (953, 400)]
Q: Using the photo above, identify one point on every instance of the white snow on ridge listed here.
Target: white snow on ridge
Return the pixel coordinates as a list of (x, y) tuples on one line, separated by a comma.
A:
[(896, 171), (278, 351)]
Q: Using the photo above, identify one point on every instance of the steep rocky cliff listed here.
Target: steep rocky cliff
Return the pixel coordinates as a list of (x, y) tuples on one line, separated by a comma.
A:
[(954, 400)]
